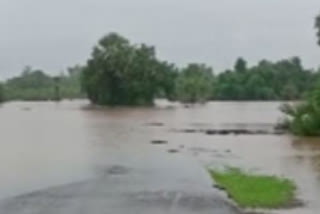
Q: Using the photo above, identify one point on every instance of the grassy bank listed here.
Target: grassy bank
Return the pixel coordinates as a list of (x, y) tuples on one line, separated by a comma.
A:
[(255, 191)]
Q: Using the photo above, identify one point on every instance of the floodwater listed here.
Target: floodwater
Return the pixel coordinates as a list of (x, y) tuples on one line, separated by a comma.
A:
[(46, 144)]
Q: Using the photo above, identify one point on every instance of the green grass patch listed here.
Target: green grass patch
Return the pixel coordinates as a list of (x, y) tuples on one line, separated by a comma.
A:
[(255, 191)]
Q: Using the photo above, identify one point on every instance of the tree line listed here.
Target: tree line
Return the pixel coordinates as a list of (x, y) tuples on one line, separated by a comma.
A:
[(124, 74), (35, 85), (121, 73)]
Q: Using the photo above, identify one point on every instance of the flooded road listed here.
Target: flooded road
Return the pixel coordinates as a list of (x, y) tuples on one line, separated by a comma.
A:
[(63, 147)]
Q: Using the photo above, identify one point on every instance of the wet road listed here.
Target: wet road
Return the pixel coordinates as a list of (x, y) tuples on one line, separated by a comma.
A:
[(161, 185)]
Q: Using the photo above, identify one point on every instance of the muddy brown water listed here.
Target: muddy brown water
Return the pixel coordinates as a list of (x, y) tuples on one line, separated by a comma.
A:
[(45, 144)]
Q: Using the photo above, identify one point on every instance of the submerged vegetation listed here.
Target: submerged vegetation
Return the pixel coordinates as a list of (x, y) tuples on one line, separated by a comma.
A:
[(194, 83), (255, 191), (304, 117), (36, 85), (120, 73), (1, 93), (282, 80)]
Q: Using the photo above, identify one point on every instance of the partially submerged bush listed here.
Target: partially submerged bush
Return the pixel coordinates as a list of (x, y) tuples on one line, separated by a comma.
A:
[(304, 118)]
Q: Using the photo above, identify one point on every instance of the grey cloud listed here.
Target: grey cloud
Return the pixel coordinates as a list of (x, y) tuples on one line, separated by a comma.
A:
[(55, 34)]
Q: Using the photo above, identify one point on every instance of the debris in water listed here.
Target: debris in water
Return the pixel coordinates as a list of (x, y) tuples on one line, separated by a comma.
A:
[(117, 170), (155, 124), (159, 142), (231, 131), (173, 151)]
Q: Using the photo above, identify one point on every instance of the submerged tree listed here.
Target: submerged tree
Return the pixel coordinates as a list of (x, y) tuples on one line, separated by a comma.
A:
[(194, 83), (2, 95), (119, 73), (281, 80), (304, 118), (70, 83), (34, 84), (57, 89)]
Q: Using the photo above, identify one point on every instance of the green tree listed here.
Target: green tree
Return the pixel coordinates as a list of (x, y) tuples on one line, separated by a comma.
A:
[(57, 90), (290, 92), (2, 95), (240, 65), (34, 84), (119, 73), (227, 86), (304, 118), (284, 79), (70, 83), (255, 87), (167, 80), (194, 83), (31, 85)]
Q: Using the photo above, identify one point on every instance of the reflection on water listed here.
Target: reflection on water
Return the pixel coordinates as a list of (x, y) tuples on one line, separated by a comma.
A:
[(47, 144)]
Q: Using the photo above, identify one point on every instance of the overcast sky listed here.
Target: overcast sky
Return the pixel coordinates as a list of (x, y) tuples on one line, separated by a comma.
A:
[(54, 34)]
